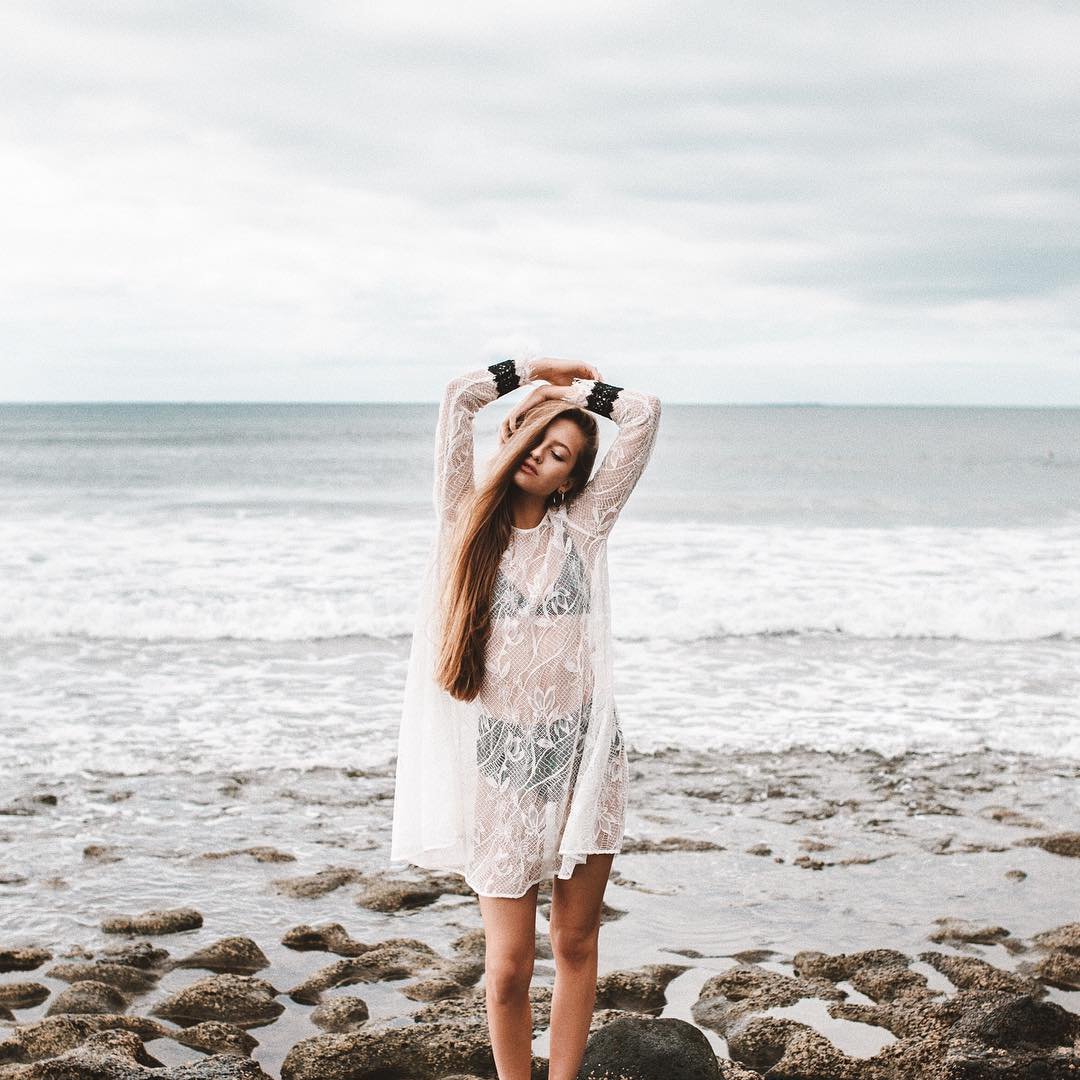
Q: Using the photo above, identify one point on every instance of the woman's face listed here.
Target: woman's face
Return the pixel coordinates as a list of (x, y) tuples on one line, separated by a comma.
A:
[(552, 459)]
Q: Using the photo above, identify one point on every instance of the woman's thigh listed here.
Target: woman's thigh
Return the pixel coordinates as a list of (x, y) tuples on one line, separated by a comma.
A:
[(510, 925), (576, 900)]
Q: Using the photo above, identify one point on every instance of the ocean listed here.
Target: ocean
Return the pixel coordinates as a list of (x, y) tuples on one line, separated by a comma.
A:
[(213, 586)]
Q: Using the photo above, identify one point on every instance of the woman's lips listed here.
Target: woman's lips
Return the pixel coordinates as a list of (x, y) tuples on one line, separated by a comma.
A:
[(528, 468)]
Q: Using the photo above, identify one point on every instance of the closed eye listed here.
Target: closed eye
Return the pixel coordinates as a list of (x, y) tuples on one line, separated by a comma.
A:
[(554, 454)]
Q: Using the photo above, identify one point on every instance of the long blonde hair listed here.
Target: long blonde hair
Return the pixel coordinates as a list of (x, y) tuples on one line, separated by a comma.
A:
[(481, 534)]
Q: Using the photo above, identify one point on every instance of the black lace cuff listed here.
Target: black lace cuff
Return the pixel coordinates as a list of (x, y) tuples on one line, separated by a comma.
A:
[(601, 398), (506, 376)]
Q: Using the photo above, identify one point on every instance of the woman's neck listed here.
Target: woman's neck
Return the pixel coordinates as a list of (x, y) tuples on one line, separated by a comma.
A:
[(527, 511)]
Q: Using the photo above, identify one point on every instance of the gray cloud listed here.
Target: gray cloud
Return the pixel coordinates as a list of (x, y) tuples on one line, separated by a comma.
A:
[(237, 198)]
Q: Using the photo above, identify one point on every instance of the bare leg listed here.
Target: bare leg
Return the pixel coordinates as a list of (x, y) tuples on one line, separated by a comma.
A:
[(575, 935), (510, 950)]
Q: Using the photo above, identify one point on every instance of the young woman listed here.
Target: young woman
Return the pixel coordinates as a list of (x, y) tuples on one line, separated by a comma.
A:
[(511, 765)]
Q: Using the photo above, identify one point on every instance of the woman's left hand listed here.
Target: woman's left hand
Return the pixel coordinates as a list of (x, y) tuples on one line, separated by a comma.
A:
[(562, 372)]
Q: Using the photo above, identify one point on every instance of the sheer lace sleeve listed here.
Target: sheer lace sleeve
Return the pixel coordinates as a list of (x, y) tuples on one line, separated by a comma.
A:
[(597, 506), (463, 398)]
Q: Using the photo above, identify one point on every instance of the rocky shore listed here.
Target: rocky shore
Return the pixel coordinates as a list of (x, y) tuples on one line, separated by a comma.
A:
[(809, 916)]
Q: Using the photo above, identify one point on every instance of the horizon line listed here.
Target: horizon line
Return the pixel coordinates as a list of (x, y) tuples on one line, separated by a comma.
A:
[(664, 402)]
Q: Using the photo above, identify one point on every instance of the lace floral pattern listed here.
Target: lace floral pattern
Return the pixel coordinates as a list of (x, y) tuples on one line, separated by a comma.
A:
[(536, 776)]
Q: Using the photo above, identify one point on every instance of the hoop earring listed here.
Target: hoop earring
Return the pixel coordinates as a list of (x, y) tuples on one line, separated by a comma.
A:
[(558, 499)]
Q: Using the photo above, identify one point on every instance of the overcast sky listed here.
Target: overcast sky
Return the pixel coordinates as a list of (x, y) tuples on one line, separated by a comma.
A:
[(846, 202)]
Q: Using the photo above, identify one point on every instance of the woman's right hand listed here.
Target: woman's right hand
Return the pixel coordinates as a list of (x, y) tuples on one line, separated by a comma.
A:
[(563, 372), (511, 420)]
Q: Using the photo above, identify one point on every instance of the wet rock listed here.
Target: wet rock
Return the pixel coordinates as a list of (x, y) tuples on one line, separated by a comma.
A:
[(313, 886), (602, 1017), (139, 954), (781, 1047), (1065, 937), (880, 974), (1008, 816), (732, 1070), (235, 999), (814, 811), (259, 854), (216, 1037), (396, 894), (971, 973), (56, 1034), (1060, 963), (734, 792), (341, 1014), (433, 988), (946, 845), (120, 1055), (22, 995), (25, 958), (640, 990), (88, 996), (28, 805), (332, 937), (474, 943), (236, 955), (640, 845), (1010, 1020), (387, 893), (973, 1035), (1059, 969), (760, 956), (78, 952), (396, 958), (926, 807), (470, 1009), (130, 980), (963, 931), (167, 921), (618, 878), (863, 860), (1064, 843), (728, 998), (101, 853), (465, 971), (419, 1051), (649, 1049)]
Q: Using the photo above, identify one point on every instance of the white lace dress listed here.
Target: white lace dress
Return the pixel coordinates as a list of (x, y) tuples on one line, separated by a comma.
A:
[(530, 777)]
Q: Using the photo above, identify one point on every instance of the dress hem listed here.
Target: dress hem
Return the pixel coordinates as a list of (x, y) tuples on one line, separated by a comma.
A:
[(440, 866), (554, 874)]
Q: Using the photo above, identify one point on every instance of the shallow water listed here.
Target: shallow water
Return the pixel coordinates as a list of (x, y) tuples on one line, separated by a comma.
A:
[(927, 819)]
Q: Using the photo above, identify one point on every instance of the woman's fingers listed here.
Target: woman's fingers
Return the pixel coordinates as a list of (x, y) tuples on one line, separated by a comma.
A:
[(509, 423), (512, 420)]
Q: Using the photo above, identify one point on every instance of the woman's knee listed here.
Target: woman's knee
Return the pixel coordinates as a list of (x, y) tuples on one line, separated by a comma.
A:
[(575, 944), (508, 977)]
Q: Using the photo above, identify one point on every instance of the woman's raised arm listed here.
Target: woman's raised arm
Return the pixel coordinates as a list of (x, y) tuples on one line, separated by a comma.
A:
[(464, 396), (597, 506)]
